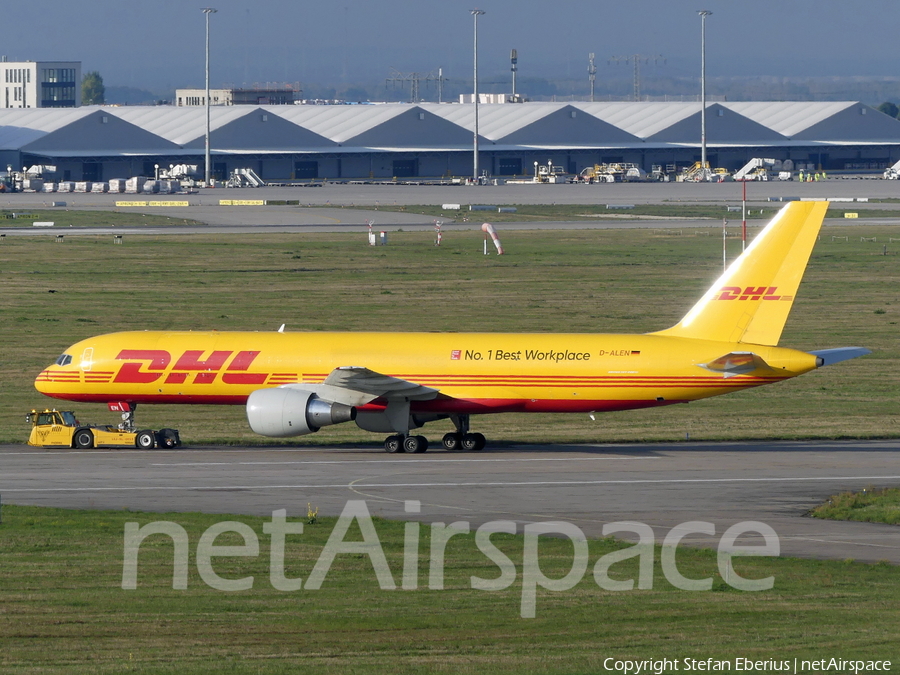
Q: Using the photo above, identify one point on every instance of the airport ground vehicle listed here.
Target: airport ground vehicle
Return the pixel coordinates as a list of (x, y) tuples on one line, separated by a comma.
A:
[(621, 172), (61, 428), (695, 174), (892, 172), (757, 168)]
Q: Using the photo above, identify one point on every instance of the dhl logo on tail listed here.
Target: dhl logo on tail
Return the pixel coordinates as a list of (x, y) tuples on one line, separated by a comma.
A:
[(751, 293)]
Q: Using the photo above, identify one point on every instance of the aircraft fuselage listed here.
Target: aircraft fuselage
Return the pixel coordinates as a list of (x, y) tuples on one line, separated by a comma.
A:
[(474, 372)]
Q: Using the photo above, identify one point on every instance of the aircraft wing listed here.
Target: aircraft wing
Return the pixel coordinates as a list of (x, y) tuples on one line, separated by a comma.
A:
[(368, 381), (356, 385)]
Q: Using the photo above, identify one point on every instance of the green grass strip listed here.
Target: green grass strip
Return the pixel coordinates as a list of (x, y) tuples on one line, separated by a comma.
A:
[(872, 505), (63, 609)]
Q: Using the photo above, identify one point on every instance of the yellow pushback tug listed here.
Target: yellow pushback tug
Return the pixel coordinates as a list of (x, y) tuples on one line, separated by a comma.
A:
[(60, 428)]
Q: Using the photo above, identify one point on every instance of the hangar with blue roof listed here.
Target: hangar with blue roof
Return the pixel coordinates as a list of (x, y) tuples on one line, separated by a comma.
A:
[(427, 140)]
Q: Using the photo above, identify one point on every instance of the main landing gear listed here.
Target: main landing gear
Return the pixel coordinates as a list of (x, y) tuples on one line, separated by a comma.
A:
[(401, 443), (461, 439)]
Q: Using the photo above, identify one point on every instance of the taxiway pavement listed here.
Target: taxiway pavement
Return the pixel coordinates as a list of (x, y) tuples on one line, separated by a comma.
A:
[(662, 485), (324, 209)]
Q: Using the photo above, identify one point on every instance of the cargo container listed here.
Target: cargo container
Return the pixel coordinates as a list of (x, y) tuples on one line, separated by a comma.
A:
[(135, 184)]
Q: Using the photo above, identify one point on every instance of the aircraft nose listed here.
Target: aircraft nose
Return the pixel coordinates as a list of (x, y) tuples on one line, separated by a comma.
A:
[(53, 378), (43, 380)]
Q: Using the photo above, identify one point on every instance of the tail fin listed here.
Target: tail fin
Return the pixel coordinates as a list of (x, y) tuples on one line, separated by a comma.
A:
[(751, 301)]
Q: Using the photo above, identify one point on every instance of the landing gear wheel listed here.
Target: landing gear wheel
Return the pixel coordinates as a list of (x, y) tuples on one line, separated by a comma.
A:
[(84, 438), (145, 440), (452, 441), (168, 438), (473, 442), (415, 444), (393, 443)]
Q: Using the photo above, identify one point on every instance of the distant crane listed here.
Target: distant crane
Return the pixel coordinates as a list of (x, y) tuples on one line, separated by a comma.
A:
[(636, 60), (414, 79)]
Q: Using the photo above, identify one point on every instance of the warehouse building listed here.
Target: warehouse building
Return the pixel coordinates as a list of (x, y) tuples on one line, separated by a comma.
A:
[(293, 142)]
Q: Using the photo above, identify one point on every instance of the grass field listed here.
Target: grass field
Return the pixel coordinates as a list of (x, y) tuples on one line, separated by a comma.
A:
[(64, 610), (555, 281), (82, 218), (872, 505)]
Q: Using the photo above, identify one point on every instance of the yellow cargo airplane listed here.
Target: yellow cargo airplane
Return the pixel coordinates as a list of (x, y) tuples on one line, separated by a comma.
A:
[(295, 383)]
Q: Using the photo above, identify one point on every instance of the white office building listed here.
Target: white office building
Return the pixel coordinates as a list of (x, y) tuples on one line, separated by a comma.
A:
[(40, 84)]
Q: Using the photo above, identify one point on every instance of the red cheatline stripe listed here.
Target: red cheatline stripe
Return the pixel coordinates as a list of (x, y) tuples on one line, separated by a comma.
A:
[(562, 379), (599, 382)]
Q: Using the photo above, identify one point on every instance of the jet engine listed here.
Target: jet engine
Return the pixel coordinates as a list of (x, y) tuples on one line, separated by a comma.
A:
[(284, 412)]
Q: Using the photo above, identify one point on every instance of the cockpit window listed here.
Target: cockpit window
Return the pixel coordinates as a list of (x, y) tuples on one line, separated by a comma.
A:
[(64, 360)]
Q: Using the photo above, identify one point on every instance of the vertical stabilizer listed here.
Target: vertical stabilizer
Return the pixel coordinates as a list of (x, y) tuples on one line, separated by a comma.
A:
[(751, 301)]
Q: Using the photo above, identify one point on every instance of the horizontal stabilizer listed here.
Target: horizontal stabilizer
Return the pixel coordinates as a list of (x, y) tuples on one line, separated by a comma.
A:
[(828, 356), (737, 363)]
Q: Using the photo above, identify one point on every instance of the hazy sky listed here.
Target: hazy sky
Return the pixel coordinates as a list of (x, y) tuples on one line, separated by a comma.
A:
[(158, 44)]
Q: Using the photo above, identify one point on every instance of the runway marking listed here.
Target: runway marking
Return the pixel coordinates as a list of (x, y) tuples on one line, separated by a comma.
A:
[(403, 461), (467, 484)]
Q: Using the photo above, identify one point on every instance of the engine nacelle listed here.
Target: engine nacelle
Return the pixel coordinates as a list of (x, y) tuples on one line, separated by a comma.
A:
[(284, 412)]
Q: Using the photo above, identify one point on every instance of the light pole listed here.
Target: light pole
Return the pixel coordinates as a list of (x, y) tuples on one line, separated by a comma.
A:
[(592, 73), (208, 175), (704, 170), (476, 13)]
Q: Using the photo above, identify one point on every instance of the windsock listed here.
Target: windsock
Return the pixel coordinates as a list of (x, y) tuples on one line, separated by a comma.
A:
[(487, 227)]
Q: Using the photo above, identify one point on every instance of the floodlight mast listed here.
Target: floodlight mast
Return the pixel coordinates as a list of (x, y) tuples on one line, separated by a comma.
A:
[(592, 73), (208, 174), (704, 169), (476, 13)]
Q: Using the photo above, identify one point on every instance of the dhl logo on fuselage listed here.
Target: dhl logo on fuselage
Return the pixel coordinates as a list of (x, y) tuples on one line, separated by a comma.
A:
[(750, 293), (143, 366)]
